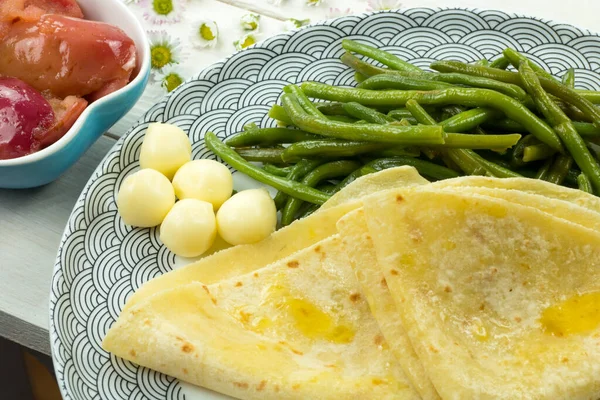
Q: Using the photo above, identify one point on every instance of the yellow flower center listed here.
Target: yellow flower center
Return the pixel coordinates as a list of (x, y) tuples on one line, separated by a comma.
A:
[(162, 7), (249, 41), (172, 81), (206, 33), (160, 56)]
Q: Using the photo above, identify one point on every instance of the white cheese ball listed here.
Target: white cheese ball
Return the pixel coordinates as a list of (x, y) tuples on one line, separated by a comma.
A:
[(145, 198), (205, 180), (190, 228), (165, 148), (247, 217)]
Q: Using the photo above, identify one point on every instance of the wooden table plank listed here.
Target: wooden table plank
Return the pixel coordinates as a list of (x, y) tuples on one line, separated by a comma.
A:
[(31, 225)]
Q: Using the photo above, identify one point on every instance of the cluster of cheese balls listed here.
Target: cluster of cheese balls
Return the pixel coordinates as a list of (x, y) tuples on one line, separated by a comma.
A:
[(189, 226)]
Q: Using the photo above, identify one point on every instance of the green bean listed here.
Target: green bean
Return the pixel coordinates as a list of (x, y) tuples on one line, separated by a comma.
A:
[(500, 63), (365, 113), (331, 108), (419, 113), (584, 184), (379, 55), (466, 97), (297, 172), (323, 172), (341, 118), (537, 152), (478, 165), (562, 125), (268, 155), (560, 168), (542, 173), (506, 125), (485, 62), (517, 58), (591, 95), (291, 188), (268, 136), (466, 141), (568, 78), (329, 149), (411, 135), (570, 96), (275, 170), (360, 66), (389, 81), (358, 77), (516, 156), (278, 113), (425, 168), (305, 103), (397, 151), (469, 119)]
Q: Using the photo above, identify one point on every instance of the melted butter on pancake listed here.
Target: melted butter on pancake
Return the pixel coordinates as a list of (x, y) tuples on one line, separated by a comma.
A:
[(575, 315)]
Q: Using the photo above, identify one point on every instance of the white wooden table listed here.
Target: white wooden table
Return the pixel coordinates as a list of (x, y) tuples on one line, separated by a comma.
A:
[(32, 221)]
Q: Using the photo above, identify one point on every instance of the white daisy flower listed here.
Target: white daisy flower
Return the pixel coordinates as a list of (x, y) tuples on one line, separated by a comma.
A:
[(377, 5), (249, 22), (161, 12), (314, 3), (169, 79), (336, 12), (205, 33), (293, 23), (247, 40), (164, 50)]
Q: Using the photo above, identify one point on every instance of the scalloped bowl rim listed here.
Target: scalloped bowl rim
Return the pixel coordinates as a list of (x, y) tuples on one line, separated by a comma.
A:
[(144, 69)]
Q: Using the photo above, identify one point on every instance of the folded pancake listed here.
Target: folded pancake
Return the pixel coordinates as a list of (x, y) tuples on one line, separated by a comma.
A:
[(359, 248), (535, 186), (358, 245), (499, 300), (297, 329), (242, 259)]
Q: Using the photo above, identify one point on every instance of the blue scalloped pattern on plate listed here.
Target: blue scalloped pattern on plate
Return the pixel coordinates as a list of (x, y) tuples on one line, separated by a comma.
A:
[(101, 262)]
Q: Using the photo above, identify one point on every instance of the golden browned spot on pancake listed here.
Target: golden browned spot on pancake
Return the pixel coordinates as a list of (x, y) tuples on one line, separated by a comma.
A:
[(296, 386), (185, 371), (147, 322), (241, 385), (510, 290), (399, 198), (518, 319), (384, 283), (239, 284), (296, 351), (393, 272), (179, 338), (213, 300), (331, 366), (448, 289), (355, 297), (132, 353), (433, 349), (376, 381), (134, 312), (255, 275), (482, 306), (368, 237), (276, 388), (317, 249), (293, 264), (565, 360), (187, 348), (261, 385), (378, 340)]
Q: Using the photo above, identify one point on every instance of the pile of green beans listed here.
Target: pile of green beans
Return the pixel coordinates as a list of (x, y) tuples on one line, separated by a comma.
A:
[(464, 119)]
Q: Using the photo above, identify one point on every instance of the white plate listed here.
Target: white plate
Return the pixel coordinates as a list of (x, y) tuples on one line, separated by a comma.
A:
[(101, 262)]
